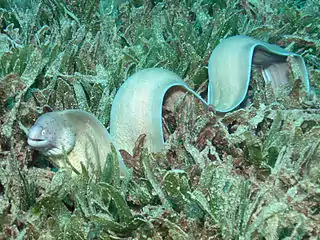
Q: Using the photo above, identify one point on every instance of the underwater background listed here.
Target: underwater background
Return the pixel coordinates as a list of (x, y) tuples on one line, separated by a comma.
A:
[(252, 173)]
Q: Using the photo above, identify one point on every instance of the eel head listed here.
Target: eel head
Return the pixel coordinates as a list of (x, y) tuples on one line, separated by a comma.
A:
[(51, 135)]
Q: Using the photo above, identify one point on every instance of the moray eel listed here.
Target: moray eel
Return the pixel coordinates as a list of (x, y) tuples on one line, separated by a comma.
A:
[(78, 134), (137, 106)]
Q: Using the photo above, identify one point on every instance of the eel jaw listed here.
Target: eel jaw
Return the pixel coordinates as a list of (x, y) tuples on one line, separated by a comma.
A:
[(38, 143), (44, 146)]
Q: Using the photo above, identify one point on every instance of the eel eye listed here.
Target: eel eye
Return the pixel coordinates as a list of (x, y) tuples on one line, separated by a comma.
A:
[(43, 132)]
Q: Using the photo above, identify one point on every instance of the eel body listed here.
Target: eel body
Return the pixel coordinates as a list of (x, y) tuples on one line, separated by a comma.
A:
[(230, 66), (137, 107)]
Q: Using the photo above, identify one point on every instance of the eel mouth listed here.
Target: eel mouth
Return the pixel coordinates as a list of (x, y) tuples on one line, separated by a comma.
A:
[(37, 142)]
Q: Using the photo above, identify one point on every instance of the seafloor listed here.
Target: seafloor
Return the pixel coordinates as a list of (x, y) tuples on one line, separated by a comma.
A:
[(252, 173)]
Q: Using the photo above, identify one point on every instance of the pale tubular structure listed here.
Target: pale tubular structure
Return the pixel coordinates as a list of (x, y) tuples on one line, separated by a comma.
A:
[(137, 107), (230, 69)]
